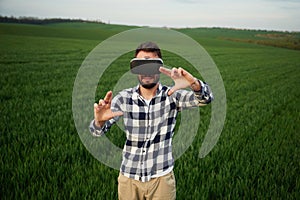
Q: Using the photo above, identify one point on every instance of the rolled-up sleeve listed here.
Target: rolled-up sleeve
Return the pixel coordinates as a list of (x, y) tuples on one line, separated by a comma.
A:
[(99, 131), (205, 95)]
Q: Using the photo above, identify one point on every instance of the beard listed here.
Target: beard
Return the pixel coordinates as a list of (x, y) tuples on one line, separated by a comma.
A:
[(149, 85)]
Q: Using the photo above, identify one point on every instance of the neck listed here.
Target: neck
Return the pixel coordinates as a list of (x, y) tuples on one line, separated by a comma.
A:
[(148, 93)]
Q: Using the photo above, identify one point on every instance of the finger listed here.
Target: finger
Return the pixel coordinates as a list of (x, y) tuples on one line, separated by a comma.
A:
[(180, 71), (184, 72), (102, 102), (174, 72), (95, 106), (171, 91), (108, 97), (165, 71)]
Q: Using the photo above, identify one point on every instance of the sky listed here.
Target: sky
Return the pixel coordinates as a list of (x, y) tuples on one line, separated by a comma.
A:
[(282, 15)]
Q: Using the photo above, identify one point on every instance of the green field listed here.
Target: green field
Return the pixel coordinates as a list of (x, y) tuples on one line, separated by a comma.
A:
[(42, 156)]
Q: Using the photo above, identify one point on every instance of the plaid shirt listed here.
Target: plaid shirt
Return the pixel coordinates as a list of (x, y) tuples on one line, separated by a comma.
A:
[(149, 128)]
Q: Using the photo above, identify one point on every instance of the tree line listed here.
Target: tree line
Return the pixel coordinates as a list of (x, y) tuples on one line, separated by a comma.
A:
[(35, 20)]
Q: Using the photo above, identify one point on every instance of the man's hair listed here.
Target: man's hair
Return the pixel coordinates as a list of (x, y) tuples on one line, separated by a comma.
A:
[(148, 47)]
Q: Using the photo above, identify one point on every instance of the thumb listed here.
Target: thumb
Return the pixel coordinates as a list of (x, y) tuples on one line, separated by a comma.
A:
[(118, 113), (171, 91)]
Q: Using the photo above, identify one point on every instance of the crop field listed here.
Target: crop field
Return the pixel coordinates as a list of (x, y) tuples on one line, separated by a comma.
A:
[(42, 157)]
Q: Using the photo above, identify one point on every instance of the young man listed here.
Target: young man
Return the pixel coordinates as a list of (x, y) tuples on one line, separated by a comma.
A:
[(149, 112)]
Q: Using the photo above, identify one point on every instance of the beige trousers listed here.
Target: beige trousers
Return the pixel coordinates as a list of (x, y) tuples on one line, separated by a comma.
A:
[(161, 188)]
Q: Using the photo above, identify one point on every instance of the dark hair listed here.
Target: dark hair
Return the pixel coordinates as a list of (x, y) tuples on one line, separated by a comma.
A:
[(148, 47)]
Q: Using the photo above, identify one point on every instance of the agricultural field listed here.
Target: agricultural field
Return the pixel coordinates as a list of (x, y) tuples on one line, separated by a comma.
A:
[(42, 156)]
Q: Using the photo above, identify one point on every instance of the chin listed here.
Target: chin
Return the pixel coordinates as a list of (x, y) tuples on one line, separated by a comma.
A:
[(149, 85)]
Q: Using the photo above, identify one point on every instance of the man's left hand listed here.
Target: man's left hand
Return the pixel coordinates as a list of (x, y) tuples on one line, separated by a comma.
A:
[(181, 78)]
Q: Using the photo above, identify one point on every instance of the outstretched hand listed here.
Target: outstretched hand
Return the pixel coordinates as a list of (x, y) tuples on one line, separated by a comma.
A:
[(181, 78), (102, 110)]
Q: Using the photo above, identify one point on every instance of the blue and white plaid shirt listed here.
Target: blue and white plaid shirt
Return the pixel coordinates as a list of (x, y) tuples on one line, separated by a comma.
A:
[(149, 128)]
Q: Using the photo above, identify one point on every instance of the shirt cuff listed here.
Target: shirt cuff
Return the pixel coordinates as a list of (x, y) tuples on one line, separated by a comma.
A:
[(95, 130), (204, 95)]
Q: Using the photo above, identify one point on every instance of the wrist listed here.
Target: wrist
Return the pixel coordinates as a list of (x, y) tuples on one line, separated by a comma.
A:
[(195, 86), (98, 123)]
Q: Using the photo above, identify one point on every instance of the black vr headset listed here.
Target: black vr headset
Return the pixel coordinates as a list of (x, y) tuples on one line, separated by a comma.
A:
[(146, 66)]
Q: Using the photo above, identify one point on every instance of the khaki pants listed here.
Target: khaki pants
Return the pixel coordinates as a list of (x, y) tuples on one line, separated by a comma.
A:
[(157, 188)]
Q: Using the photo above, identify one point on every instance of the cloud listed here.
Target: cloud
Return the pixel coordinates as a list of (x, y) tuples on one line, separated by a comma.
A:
[(285, 6), (189, 1), (285, 1)]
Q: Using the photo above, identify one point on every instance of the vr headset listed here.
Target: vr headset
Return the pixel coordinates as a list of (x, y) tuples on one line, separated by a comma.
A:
[(146, 66)]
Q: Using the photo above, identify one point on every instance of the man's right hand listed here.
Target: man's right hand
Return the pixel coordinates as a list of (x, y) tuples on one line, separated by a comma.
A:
[(102, 110)]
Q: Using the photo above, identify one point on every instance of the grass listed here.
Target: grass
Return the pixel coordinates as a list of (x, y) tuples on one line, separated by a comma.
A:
[(290, 40), (42, 157)]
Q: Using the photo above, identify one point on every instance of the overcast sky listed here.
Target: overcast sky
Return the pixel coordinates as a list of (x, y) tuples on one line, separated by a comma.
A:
[(253, 14)]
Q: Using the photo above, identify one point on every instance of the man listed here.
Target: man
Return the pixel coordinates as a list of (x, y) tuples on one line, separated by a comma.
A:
[(149, 112)]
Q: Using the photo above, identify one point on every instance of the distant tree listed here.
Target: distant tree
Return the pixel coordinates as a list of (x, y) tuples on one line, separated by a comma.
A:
[(35, 20)]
